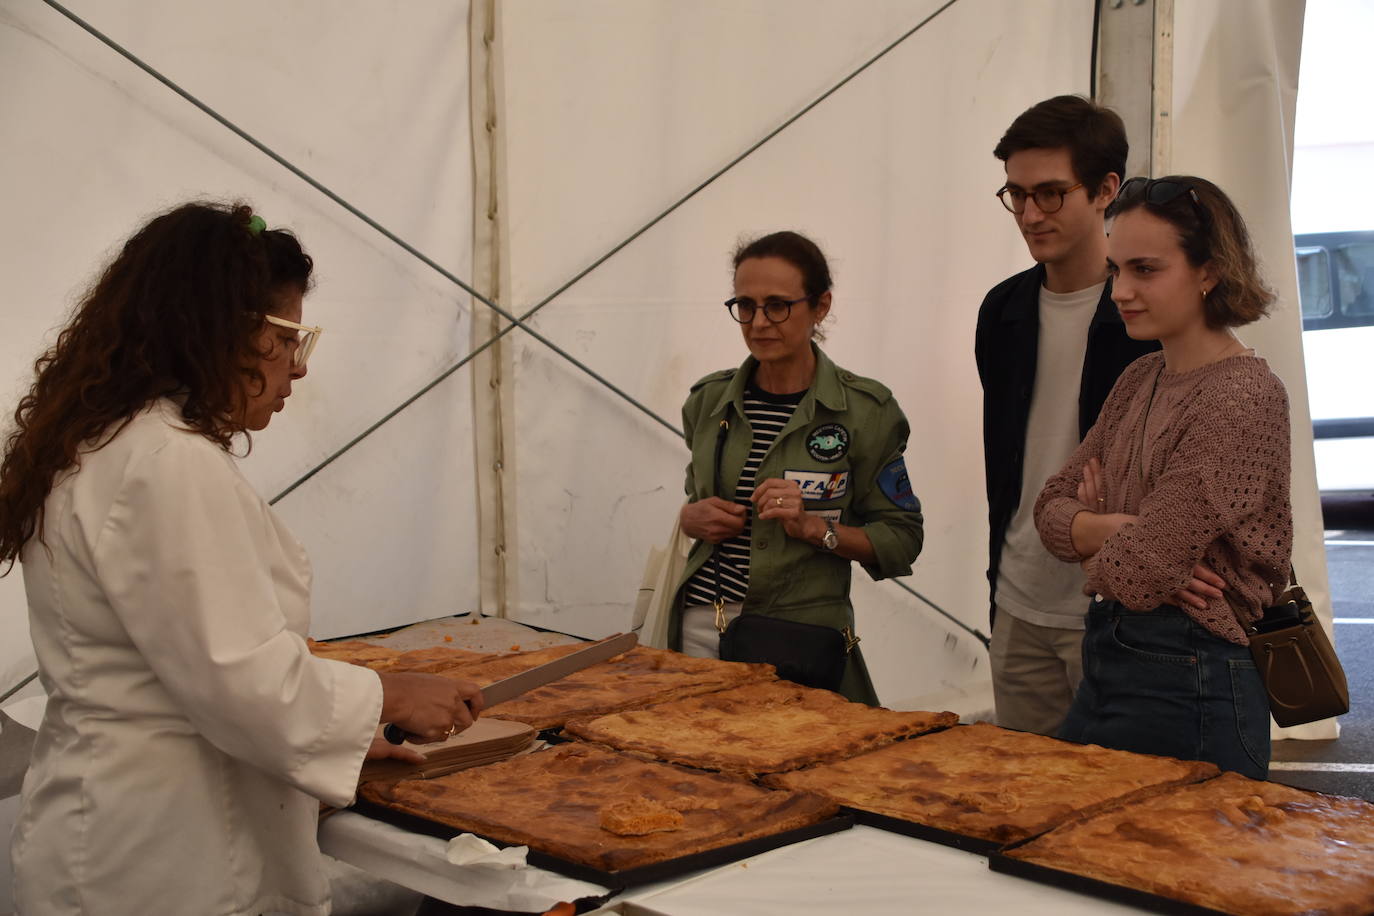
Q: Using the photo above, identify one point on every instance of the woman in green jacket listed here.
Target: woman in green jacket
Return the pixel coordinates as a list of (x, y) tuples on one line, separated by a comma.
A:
[(796, 469)]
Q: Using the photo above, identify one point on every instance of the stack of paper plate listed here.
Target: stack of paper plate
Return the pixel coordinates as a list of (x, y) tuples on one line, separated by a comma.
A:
[(487, 741)]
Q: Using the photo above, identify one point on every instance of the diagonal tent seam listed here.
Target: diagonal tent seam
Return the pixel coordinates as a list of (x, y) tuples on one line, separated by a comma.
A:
[(520, 322), (717, 174), (388, 234), (414, 252), (17, 687), (974, 632), (514, 321)]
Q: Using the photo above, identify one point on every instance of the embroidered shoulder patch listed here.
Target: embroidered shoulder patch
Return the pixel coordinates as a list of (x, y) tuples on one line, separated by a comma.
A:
[(896, 486)]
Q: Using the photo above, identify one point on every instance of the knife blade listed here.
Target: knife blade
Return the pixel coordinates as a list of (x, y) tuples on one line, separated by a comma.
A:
[(511, 687)]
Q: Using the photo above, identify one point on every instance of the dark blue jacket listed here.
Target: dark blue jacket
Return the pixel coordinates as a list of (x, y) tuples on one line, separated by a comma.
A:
[(1005, 347)]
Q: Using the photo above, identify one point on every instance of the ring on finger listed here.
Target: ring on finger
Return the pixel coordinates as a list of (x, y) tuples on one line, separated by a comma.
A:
[(779, 502), (452, 730)]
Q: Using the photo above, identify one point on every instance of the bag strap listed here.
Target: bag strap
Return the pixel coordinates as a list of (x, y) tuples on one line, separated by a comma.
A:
[(719, 602), (1296, 669)]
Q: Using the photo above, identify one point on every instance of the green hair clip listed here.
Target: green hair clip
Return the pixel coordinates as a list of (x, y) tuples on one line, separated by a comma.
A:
[(256, 224)]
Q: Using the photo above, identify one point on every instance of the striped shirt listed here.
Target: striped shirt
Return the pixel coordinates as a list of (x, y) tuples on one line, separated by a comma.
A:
[(767, 415)]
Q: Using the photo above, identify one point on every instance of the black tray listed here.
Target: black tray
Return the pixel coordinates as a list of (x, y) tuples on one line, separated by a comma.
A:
[(1097, 888), (630, 877), (972, 844)]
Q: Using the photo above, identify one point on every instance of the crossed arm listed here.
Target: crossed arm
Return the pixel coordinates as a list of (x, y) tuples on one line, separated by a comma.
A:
[(1092, 527)]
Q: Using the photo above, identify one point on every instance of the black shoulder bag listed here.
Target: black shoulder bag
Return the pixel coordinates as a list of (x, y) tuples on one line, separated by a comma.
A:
[(805, 653)]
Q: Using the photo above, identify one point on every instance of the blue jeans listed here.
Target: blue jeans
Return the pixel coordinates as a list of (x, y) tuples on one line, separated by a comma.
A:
[(1156, 682)]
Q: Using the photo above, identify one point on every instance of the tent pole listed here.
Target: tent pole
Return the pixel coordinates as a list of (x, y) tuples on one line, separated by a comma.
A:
[(1162, 114), (491, 396), (1134, 74)]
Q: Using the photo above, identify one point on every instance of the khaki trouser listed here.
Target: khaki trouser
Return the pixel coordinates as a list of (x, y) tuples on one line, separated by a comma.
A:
[(1035, 670)]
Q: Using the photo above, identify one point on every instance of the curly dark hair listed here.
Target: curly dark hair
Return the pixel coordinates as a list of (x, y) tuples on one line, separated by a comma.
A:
[(1210, 229), (177, 312)]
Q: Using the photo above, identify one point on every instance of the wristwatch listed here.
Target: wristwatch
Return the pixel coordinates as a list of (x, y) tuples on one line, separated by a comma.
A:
[(830, 540)]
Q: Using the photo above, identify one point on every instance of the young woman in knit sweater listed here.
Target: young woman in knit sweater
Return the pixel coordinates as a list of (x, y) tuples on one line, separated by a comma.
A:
[(1177, 502)]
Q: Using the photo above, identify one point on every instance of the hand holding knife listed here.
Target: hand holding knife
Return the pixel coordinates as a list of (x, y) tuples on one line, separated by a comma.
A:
[(396, 735), (427, 706), (514, 686)]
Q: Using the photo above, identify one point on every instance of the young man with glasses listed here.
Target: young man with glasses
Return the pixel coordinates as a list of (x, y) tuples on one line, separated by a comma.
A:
[(1049, 347)]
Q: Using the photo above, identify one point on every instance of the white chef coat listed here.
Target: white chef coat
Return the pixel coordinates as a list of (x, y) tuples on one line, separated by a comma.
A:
[(188, 731)]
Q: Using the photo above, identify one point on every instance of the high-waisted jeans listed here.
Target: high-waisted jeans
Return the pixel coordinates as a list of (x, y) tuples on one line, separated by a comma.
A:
[(1156, 682)]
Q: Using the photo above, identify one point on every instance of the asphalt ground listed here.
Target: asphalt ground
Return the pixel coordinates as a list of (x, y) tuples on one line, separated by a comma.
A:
[(1344, 765)]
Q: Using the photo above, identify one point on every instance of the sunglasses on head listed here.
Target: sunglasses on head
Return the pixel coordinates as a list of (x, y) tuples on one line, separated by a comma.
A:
[(1160, 192)]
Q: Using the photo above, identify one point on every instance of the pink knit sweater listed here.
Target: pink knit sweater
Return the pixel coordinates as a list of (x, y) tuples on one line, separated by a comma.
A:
[(1216, 459)]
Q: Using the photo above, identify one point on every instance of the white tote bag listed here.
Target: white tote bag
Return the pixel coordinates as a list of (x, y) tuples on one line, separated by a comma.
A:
[(661, 574)]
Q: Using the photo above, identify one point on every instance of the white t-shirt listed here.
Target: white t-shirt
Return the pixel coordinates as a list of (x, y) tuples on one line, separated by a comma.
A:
[(1032, 585)]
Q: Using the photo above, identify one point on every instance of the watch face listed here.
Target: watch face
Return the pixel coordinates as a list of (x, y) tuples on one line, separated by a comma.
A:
[(830, 540)]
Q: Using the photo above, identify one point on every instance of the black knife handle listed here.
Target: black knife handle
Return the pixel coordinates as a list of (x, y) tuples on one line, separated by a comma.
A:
[(393, 733)]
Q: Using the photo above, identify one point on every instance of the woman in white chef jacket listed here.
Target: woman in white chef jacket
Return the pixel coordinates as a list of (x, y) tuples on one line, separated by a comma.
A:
[(188, 731)]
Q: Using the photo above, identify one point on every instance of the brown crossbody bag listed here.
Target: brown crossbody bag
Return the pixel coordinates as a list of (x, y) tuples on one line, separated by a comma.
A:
[(1296, 661), (1301, 672)]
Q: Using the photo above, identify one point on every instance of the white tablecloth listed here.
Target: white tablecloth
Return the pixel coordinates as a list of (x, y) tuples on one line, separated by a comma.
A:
[(861, 870)]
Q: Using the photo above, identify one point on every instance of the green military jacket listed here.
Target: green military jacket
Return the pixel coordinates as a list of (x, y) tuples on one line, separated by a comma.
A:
[(844, 448)]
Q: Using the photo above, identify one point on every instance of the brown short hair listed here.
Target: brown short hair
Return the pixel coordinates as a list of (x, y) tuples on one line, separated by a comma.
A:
[(1093, 134), (1210, 229)]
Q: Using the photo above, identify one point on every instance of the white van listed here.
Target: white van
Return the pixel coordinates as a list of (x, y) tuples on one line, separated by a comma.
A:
[(1336, 287)]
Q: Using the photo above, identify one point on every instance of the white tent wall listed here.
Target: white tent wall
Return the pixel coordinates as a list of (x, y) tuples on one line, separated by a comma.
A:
[(885, 174), (1235, 97), (609, 111), (371, 100), (613, 112), (892, 176)]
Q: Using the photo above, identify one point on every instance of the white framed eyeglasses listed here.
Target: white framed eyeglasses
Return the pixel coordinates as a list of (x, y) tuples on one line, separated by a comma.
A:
[(305, 340)]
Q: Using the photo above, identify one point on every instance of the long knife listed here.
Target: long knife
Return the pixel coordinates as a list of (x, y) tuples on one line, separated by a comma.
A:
[(513, 686)]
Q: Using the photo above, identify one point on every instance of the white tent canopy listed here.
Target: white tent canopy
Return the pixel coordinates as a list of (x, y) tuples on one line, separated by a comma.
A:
[(590, 119), (518, 142)]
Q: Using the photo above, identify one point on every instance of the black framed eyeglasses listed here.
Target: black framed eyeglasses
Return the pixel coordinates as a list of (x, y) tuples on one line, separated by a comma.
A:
[(775, 309), (1047, 200), (1159, 192)]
